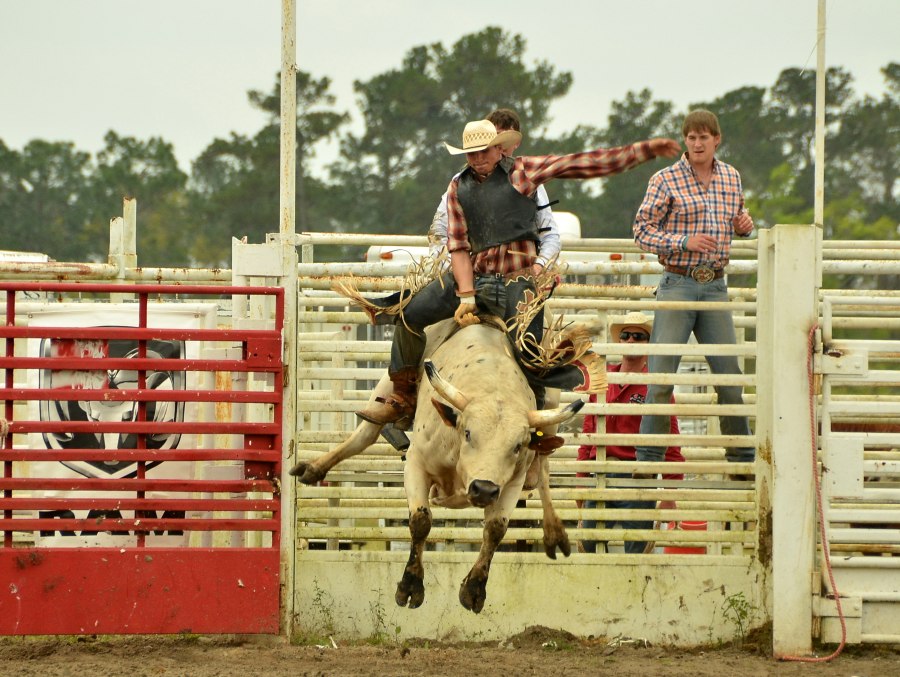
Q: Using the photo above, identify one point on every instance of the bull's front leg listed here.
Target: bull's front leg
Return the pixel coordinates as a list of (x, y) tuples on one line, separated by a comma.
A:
[(473, 590), (555, 535), (411, 588)]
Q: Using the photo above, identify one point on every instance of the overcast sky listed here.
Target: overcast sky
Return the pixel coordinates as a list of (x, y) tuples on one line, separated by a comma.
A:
[(180, 69)]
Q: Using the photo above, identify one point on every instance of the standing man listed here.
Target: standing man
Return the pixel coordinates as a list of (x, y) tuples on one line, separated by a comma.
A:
[(689, 214), (492, 240), (630, 329)]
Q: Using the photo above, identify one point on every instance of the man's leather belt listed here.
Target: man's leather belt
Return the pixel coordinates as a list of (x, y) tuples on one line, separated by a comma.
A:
[(512, 275), (701, 273)]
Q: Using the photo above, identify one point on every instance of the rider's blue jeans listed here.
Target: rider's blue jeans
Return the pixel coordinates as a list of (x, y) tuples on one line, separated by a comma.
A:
[(437, 301)]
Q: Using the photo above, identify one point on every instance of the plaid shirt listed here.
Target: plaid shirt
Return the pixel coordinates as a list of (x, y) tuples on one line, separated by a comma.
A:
[(527, 174), (676, 205)]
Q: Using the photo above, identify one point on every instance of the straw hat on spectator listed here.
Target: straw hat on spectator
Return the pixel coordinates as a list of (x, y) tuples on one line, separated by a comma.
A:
[(635, 320)]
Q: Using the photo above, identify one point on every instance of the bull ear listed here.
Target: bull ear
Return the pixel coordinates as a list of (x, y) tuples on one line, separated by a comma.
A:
[(444, 388), (542, 418), (545, 444), (446, 412)]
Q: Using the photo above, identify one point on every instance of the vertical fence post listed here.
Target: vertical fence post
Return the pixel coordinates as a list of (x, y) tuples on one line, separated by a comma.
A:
[(819, 176), (123, 243), (789, 280), (287, 229)]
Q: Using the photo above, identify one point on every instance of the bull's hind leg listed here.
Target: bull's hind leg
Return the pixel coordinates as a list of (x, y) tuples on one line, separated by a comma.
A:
[(363, 436), (411, 588), (473, 590), (311, 472)]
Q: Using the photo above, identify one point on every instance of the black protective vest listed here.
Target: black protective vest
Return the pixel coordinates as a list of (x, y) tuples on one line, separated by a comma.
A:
[(496, 213)]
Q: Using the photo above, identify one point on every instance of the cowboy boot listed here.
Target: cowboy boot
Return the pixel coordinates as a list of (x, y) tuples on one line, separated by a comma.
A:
[(399, 407)]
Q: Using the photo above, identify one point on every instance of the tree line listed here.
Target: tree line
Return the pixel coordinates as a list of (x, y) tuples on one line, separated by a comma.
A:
[(57, 199)]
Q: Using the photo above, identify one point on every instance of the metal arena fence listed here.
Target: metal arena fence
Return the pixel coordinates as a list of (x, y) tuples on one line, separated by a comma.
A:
[(141, 450), (720, 512), (817, 323)]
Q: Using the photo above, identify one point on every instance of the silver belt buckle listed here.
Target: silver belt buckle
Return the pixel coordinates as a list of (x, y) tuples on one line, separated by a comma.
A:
[(703, 274)]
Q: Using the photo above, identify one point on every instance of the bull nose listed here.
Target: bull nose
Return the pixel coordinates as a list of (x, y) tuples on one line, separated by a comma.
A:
[(483, 493)]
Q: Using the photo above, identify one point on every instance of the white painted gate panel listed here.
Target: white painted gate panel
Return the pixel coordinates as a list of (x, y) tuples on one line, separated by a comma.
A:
[(860, 445)]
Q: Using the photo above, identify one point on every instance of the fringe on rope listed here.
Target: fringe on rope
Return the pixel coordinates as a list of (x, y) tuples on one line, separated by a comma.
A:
[(561, 344), (418, 275)]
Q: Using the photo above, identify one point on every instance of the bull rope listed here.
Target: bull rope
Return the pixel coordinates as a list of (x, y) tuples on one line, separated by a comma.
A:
[(418, 275)]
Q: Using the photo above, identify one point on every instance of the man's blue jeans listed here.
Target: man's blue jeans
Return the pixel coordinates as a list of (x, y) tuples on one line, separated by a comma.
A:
[(708, 326), (495, 295), (437, 301), (631, 547)]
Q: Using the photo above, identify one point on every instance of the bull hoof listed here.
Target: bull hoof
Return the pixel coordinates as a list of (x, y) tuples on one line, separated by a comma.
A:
[(307, 473), (472, 594), (560, 541), (410, 591)]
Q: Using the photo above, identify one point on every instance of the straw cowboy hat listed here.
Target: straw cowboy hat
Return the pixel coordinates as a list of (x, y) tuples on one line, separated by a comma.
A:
[(618, 322), (482, 134)]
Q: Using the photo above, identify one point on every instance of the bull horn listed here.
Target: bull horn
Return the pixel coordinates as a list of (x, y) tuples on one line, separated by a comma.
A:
[(444, 388), (541, 418)]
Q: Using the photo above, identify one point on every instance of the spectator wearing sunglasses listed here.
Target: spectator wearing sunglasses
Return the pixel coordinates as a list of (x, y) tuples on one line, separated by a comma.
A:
[(629, 329)]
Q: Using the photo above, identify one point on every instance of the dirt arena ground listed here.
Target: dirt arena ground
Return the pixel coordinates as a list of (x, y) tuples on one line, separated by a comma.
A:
[(535, 652)]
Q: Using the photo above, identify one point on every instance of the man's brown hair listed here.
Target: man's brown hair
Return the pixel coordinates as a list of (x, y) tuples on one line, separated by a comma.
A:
[(701, 120), (504, 118)]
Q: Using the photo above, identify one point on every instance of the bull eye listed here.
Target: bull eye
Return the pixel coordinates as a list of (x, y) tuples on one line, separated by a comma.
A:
[(468, 437)]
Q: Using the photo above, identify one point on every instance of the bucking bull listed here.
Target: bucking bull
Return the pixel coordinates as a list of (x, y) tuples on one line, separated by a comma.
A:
[(474, 425)]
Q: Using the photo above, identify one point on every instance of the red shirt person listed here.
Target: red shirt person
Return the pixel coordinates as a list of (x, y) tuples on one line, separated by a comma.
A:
[(637, 327), (628, 329)]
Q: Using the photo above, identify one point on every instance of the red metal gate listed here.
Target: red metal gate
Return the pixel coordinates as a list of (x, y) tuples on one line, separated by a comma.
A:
[(119, 514)]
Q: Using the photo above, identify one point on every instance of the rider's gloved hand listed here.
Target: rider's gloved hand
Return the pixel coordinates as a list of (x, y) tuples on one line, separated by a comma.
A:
[(465, 311)]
